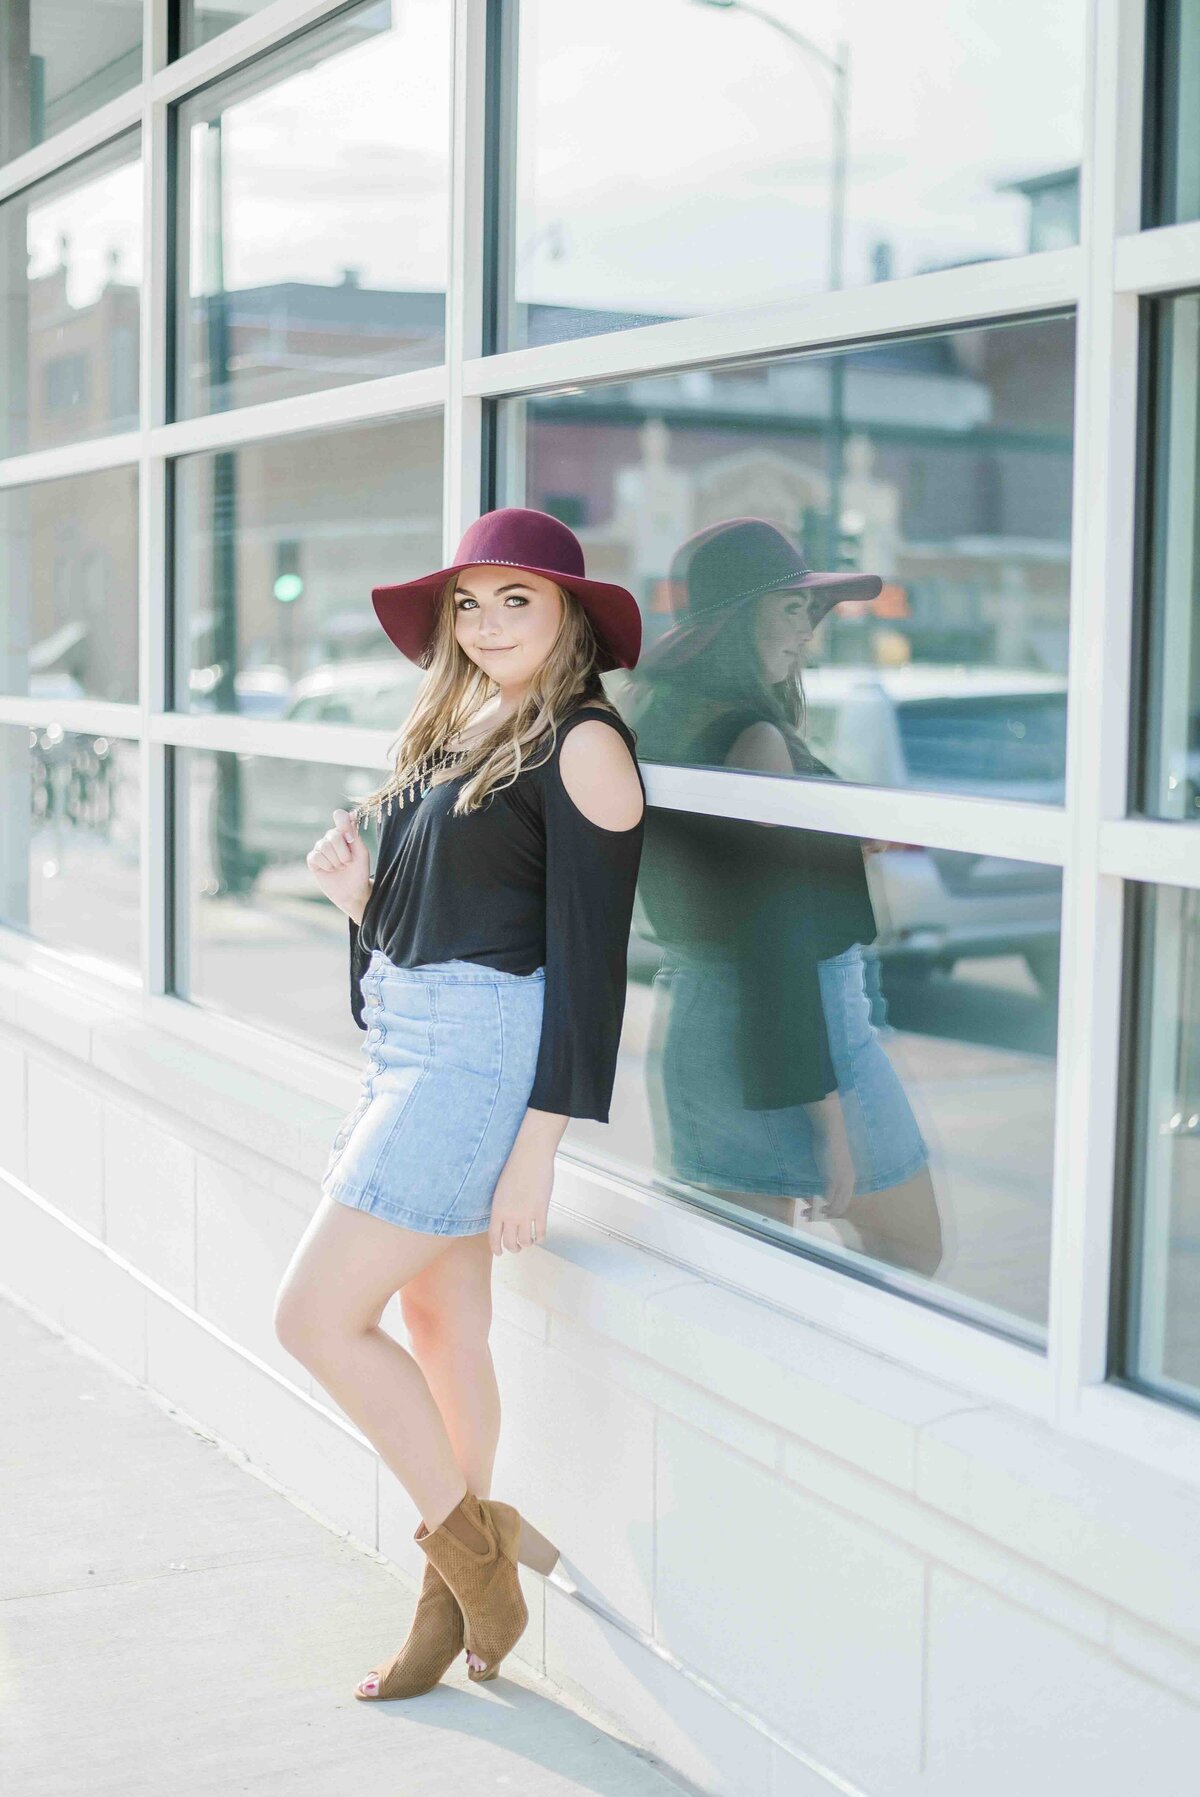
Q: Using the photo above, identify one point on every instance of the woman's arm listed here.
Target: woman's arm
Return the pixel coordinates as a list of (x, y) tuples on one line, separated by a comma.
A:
[(356, 915), (594, 806), (341, 865)]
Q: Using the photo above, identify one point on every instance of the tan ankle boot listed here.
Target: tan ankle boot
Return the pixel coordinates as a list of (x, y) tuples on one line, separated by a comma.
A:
[(435, 1639), (486, 1584)]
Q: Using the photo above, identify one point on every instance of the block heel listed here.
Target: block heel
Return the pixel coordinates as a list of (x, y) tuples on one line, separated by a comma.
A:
[(486, 1584), (534, 1550)]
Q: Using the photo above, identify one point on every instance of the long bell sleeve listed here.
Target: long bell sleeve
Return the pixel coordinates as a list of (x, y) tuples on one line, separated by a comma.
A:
[(591, 878), (360, 959)]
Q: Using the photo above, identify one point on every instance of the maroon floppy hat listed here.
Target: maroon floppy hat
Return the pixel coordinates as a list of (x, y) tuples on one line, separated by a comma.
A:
[(516, 537)]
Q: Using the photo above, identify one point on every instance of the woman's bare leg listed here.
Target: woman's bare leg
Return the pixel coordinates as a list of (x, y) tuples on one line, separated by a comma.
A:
[(778, 1208), (345, 1269), (447, 1312), (901, 1225)]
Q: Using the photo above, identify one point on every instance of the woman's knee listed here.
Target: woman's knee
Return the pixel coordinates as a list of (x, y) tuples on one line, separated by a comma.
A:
[(306, 1325), (294, 1324), (447, 1322), (903, 1225), (341, 1277)]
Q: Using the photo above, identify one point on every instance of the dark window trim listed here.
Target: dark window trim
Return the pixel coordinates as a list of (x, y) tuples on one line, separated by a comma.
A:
[(1130, 1121), (1160, 110), (1146, 609)]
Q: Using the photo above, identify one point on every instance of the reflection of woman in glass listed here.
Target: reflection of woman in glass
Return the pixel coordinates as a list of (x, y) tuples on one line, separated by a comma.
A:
[(769, 1083)]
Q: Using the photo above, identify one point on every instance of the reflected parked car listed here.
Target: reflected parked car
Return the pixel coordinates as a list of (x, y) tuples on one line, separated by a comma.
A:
[(257, 692), (965, 731), (375, 693)]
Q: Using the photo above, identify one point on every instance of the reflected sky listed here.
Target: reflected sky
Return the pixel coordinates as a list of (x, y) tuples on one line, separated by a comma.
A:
[(725, 140)]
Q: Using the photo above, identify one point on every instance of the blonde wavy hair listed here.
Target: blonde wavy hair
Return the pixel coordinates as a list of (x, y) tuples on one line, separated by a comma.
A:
[(454, 689)]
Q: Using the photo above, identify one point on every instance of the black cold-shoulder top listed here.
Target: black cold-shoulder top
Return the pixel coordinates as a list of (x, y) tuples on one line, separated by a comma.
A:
[(525, 881)]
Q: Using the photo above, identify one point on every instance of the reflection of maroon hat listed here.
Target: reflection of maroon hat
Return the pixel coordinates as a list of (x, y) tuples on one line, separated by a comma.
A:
[(726, 565), (516, 537)]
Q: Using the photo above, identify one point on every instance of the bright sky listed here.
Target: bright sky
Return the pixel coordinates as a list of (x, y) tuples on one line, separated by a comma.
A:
[(672, 156)]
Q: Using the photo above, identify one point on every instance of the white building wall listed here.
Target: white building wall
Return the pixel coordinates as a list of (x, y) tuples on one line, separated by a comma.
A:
[(802, 1568)]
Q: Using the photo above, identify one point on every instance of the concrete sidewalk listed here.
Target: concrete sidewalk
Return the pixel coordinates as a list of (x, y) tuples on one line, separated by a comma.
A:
[(172, 1623)]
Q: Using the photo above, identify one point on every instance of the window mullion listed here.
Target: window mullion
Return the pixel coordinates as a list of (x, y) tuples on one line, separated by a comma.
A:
[(465, 270), (1100, 676)]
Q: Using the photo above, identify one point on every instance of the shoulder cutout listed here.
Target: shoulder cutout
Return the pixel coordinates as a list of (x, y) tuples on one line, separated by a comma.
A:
[(761, 747), (600, 776)]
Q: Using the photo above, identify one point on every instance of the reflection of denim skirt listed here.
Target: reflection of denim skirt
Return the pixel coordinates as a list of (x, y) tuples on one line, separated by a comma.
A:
[(451, 1051), (705, 1135)]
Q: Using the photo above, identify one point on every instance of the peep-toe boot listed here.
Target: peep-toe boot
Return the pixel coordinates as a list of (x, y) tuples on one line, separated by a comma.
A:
[(486, 1582), (435, 1639)]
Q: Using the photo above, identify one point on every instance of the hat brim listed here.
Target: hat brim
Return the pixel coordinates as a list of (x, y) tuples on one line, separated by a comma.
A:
[(691, 636), (407, 611)]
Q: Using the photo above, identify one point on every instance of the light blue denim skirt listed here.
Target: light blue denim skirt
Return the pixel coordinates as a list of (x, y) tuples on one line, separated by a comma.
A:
[(703, 1132), (451, 1051)]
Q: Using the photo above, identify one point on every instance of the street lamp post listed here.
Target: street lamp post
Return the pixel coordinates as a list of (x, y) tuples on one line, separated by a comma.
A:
[(838, 69)]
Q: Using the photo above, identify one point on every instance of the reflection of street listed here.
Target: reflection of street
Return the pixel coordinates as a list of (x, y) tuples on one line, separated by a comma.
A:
[(975, 1054), (82, 845), (1181, 1302), (994, 1002), (278, 957), (83, 893), (278, 952)]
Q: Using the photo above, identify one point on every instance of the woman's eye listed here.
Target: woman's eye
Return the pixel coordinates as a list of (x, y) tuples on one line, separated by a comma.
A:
[(462, 604)]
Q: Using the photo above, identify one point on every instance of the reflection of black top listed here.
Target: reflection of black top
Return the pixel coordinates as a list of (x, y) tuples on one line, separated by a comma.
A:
[(780, 899), (526, 881)]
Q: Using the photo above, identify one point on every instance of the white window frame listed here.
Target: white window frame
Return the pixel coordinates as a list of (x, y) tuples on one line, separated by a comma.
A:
[(1097, 846)]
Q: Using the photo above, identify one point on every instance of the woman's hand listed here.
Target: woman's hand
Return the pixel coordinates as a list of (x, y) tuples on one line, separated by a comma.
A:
[(522, 1195), (341, 866), (833, 1155)]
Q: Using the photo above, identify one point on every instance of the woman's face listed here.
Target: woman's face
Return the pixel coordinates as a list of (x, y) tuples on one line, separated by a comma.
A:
[(506, 620), (784, 631)]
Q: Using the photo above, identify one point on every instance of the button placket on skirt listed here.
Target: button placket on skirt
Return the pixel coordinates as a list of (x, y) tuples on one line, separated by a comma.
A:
[(373, 1006)]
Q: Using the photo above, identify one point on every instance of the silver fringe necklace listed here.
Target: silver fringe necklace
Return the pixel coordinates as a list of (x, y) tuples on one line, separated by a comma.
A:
[(430, 763)]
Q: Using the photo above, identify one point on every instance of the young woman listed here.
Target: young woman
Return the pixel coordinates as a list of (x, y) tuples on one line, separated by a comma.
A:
[(769, 1084), (488, 957)]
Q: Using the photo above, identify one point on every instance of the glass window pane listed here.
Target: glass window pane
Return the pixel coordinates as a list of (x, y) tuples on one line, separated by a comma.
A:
[(945, 461), (277, 547), (200, 20), (256, 938), (69, 826), (70, 283), (746, 160), (1171, 772), (798, 1025), (314, 191), (1173, 151), (60, 60), (69, 566), (1162, 1347)]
